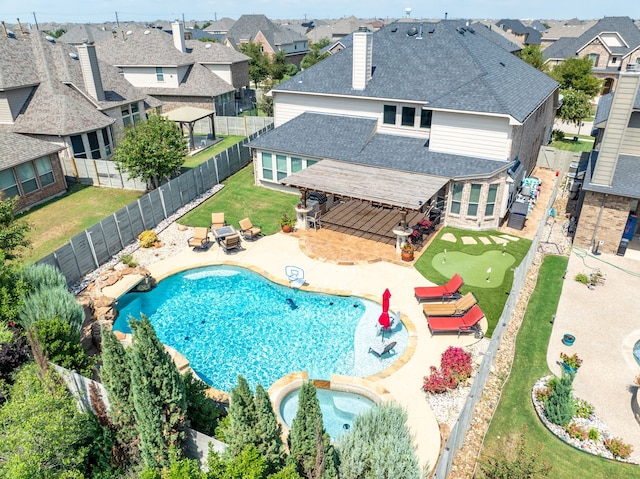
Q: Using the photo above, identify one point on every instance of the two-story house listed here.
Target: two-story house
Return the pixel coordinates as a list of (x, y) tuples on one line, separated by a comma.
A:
[(65, 96), (611, 44), (411, 116), (609, 202)]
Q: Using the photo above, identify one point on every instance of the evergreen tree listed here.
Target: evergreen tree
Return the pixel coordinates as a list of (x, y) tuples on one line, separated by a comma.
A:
[(560, 407), (242, 419), (309, 443), (48, 303), (268, 431), (159, 395), (40, 276), (376, 436), (201, 411), (278, 66)]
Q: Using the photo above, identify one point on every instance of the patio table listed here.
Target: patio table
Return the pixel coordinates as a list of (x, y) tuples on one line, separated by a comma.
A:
[(222, 232)]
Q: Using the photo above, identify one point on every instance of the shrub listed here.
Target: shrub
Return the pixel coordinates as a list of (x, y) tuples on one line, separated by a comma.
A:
[(13, 354), (573, 361), (576, 431), (558, 135), (201, 411), (582, 278), (51, 303), (458, 362), (583, 409), (543, 394), (40, 276), (439, 381), (62, 345), (594, 435), (147, 238), (128, 260), (560, 407), (618, 448)]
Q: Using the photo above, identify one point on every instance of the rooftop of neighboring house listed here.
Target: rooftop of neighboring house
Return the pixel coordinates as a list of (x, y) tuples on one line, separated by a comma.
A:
[(60, 103), (569, 46), (214, 52), (222, 26), (625, 177), (81, 33), (498, 36), (354, 139), (247, 27), (443, 65), (531, 35), (566, 28), (16, 149)]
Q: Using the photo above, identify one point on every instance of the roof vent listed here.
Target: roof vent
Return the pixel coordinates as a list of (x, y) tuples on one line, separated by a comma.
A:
[(50, 39), (431, 30), (394, 29), (10, 34), (419, 37), (208, 45), (470, 29), (460, 30), (412, 32), (73, 55), (501, 63), (129, 32), (147, 32)]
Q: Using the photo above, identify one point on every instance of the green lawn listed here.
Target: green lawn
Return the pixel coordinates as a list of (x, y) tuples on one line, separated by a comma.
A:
[(241, 198), (204, 155), (515, 408), (54, 223), (577, 146), (490, 299)]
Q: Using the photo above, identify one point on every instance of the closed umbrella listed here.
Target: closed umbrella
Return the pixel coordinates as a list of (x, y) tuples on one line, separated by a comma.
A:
[(384, 319)]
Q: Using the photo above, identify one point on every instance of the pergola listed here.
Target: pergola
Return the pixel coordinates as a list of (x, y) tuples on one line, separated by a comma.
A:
[(188, 115)]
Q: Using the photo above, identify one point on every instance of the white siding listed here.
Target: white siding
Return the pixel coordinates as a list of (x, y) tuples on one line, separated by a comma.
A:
[(5, 110), (470, 135), (146, 77), (11, 102), (631, 141), (223, 71)]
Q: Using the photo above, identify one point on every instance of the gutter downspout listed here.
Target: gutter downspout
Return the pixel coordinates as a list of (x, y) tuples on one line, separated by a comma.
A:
[(595, 230)]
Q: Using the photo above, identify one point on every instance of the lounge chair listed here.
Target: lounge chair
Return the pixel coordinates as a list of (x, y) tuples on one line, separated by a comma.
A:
[(445, 292), (395, 320), (382, 348), (457, 324), (230, 242), (295, 275), (200, 239), (217, 220), (453, 308), (248, 230)]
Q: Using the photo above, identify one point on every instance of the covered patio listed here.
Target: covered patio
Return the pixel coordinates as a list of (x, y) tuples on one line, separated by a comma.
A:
[(373, 201), (189, 115)]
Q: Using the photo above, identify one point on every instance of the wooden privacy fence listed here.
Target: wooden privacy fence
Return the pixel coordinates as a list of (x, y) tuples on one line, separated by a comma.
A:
[(96, 245)]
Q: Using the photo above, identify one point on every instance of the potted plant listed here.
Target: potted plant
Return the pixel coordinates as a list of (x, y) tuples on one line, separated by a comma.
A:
[(287, 223), (407, 251), (570, 363)]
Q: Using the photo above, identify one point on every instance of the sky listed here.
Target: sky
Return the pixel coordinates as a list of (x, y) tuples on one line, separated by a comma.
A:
[(80, 11)]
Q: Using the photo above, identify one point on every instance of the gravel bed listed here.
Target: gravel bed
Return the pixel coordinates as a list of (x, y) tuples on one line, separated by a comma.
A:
[(596, 448), (151, 254), (447, 406)]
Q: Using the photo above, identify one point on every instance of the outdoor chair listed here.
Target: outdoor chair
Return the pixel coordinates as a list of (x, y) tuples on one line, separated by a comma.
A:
[(382, 348), (457, 324), (200, 239), (453, 308), (230, 242), (248, 230), (395, 320), (447, 291), (217, 220), (314, 220)]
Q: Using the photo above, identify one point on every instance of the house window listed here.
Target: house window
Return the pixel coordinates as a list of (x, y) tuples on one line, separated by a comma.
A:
[(594, 58), (94, 145), (135, 113), (491, 200), (425, 118), (389, 117), (27, 176), (78, 146), (456, 198), (45, 172), (126, 116), (311, 163), (408, 116), (106, 140), (267, 166), (130, 114), (474, 199), (159, 74), (8, 183), (281, 167), (614, 59), (296, 164)]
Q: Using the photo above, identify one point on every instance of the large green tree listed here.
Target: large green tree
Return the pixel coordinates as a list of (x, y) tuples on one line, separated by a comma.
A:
[(532, 54), (268, 431), (201, 411), (159, 395), (575, 106), (376, 436), (576, 73), (278, 66), (258, 61), (314, 56), (242, 419), (309, 443), (151, 150)]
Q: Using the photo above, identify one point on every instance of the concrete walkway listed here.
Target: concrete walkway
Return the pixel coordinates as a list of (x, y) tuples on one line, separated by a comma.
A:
[(271, 254), (606, 324)]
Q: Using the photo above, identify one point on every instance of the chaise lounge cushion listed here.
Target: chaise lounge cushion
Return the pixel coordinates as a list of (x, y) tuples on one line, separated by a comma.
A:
[(458, 324), (447, 291), (452, 308)]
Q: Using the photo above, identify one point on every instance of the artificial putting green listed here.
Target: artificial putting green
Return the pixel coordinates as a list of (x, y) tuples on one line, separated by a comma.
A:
[(473, 268)]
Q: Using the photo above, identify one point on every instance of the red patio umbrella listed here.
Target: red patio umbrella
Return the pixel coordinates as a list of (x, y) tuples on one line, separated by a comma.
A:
[(384, 319)]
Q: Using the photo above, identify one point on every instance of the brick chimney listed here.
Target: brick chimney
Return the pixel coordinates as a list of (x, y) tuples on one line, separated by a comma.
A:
[(90, 70), (362, 58), (177, 31)]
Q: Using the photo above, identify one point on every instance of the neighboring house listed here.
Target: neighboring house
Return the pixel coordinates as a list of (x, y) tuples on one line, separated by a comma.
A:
[(161, 65), (272, 37), (440, 113), (85, 33), (564, 29), (611, 44), (29, 169), (64, 95), (220, 27), (611, 192), (524, 34)]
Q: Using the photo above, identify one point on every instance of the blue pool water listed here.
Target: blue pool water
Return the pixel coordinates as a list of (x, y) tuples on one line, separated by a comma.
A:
[(339, 409), (636, 352), (228, 320)]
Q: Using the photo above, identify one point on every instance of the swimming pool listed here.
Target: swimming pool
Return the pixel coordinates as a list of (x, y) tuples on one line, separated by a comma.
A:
[(339, 409), (228, 320)]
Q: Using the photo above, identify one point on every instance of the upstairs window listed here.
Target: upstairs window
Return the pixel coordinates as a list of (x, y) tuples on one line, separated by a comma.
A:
[(425, 118), (389, 117), (408, 116), (594, 58), (159, 74)]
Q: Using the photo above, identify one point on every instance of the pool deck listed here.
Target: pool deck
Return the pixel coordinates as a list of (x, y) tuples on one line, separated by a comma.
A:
[(270, 255)]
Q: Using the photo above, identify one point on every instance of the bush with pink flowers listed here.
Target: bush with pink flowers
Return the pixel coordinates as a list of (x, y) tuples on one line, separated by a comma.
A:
[(455, 367)]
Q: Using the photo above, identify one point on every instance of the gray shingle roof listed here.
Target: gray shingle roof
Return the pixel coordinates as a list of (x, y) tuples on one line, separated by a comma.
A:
[(497, 36), (570, 46), (447, 69), (222, 25), (78, 34), (139, 49), (247, 26), (532, 36), (353, 139), (213, 52), (16, 149), (625, 179)]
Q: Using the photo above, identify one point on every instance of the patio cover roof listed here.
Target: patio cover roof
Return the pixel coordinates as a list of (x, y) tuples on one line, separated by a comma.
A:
[(187, 114), (381, 186)]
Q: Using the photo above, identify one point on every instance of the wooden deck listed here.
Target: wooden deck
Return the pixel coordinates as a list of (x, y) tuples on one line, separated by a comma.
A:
[(363, 220)]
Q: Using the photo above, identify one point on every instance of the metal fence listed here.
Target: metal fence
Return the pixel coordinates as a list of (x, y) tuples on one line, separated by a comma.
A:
[(459, 430), (96, 245)]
